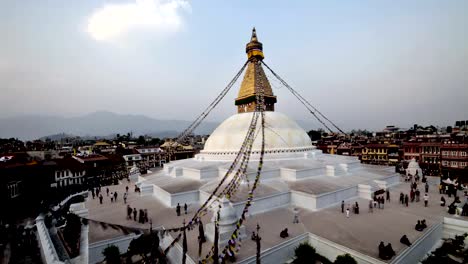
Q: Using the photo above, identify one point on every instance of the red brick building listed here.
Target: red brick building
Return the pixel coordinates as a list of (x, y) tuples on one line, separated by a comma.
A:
[(454, 160)]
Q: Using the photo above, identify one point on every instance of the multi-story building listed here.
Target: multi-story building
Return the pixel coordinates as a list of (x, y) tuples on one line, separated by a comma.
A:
[(393, 154), (454, 160), (375, 154), (65, 172), (133, 160), (152, 156), (430, 158), (411, 150)]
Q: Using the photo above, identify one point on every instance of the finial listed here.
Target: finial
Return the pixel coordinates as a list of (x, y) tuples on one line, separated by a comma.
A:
[(254, 35)]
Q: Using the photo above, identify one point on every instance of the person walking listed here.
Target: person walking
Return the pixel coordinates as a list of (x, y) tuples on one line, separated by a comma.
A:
[(296, 218), (347, 212), (100, 198), (426, 187), (185, 208), (383, 202), (388, 195), (126, 188), (115, 196), (371, 208), (107, 190), (342, 206), (426, 199), (178, 209), (129, 212), (134, 214), (125, 197), (406, 199)]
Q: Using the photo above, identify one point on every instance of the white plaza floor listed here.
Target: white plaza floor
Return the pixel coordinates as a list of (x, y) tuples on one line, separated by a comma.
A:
[(361, 232)]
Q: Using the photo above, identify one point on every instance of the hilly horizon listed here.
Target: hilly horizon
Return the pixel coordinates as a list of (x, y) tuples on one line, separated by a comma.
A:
[(95, 124), (102, 124)]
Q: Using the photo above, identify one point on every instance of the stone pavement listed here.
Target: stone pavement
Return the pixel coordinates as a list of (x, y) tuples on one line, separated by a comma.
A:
[(361, 232)]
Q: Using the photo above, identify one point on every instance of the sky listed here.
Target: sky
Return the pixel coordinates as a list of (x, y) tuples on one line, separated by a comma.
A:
[(364, 64)]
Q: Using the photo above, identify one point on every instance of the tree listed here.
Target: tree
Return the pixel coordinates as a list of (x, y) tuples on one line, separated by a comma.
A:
[(345, 259), (141, 140), (305, 253), (112, 254), (315, 134), (72, 233), (449, 129), (144, 245)]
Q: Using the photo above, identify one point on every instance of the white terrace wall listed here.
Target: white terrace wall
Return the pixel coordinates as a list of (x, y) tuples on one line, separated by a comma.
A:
[(453, 226), (264, 204), (184, 197), (303, 200), (122, 242), (280, 253), (175, 253), (331, 198), (331, 250), (162, 195), (421, 246), (48, 252)]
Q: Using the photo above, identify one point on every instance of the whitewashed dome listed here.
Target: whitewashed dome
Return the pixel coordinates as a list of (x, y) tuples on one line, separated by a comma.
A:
[(282, 134)]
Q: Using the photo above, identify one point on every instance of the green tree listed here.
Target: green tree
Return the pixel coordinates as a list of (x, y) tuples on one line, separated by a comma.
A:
[(141, 140), (305, 253), (315, 134), (72, 233), (345, 259), (112, 254)]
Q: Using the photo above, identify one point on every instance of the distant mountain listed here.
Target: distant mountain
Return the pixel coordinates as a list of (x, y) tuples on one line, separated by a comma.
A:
[(97, 124), (57, 137)]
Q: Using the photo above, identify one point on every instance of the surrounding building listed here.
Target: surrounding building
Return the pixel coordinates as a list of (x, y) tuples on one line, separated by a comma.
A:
[(152, 156), (454, 160)]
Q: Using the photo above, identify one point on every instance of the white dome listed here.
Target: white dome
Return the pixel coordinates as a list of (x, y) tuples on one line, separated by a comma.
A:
[(281, 135)]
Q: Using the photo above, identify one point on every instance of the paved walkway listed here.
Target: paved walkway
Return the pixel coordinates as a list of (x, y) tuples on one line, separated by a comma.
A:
[(361, 232)]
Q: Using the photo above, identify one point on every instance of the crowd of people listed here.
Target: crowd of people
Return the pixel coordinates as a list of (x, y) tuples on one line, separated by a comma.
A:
[(141, 214)]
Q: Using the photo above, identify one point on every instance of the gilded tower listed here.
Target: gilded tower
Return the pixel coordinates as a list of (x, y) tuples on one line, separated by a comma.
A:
[(254, 79)]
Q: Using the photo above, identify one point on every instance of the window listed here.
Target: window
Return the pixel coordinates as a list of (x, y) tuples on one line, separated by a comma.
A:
[(454, 153), (445, 163), (14, 189), (463, 164), (463, 153), (454, 164)]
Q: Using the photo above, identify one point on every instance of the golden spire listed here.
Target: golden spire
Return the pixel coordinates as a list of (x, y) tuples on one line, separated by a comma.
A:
[(254, 48), (254, 79)]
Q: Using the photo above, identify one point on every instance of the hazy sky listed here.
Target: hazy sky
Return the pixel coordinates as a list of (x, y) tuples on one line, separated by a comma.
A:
[(365, 64)]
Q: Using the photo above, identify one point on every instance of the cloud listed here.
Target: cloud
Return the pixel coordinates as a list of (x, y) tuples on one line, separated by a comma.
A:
[(114, 20)]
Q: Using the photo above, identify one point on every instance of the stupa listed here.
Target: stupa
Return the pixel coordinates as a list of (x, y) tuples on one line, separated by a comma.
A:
[(294, 171), (300, 190)]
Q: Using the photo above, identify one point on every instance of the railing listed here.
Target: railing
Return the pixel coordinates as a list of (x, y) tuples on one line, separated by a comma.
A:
[(48, 252), (421, 246), (64, 201)]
